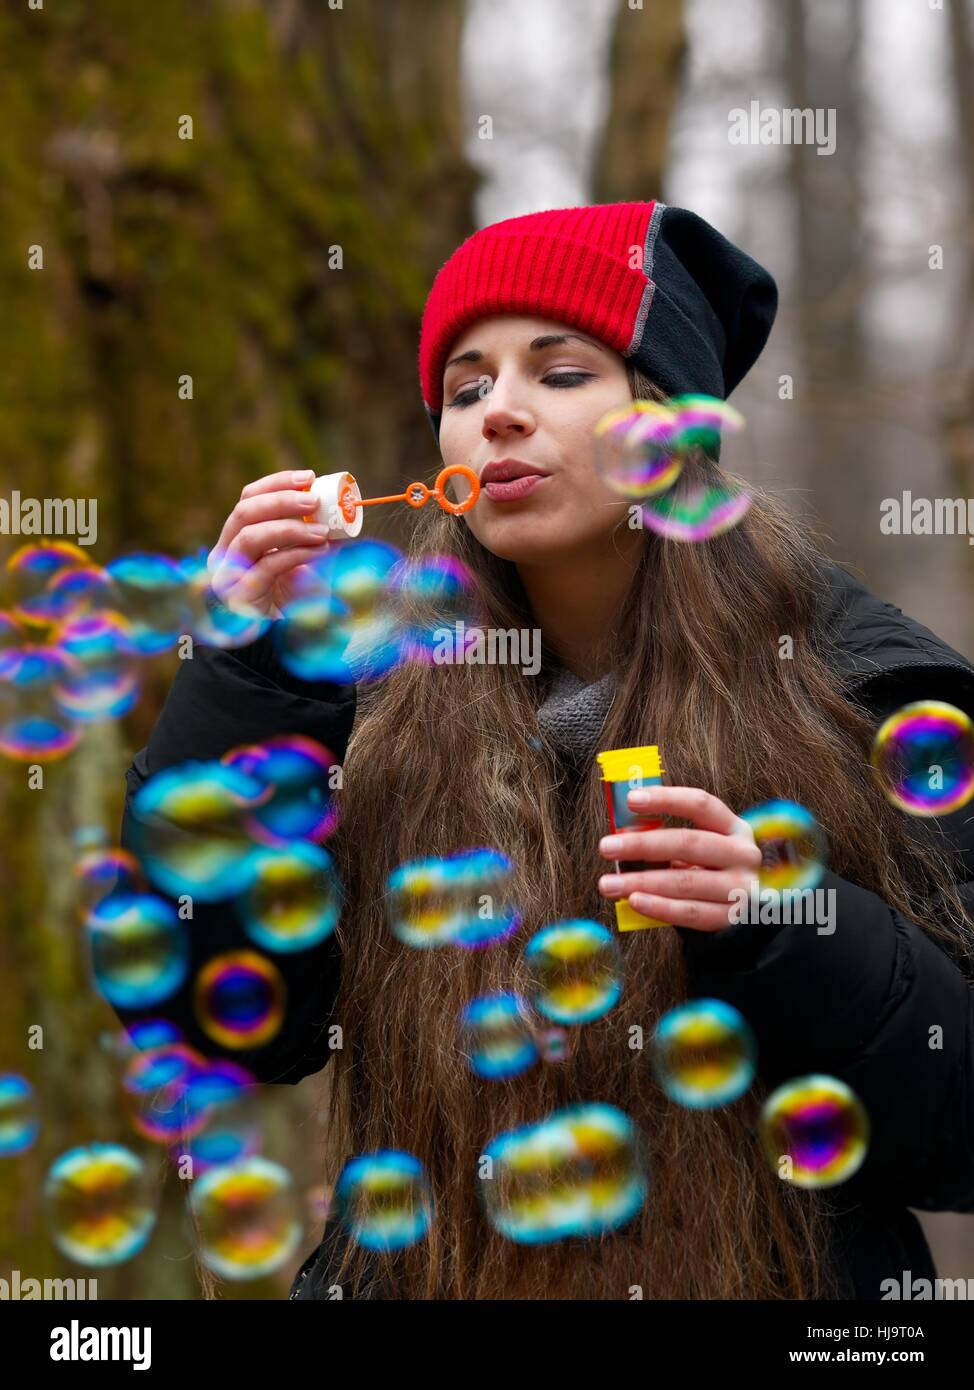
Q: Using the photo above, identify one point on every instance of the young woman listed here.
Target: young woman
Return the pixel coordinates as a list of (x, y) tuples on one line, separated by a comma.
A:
[(535, 328)]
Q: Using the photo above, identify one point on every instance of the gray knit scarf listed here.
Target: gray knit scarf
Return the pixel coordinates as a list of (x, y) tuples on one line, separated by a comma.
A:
[(574, 712)]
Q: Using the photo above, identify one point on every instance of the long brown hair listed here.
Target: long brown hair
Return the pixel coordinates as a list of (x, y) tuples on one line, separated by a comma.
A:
[(439, 761)]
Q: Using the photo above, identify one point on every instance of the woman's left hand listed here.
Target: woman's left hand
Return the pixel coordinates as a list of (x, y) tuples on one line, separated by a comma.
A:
[(705, 865)]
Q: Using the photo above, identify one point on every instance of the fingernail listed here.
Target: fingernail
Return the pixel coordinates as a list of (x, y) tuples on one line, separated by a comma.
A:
[(610, 882), (303, 475), (318, 533), (641, 794), (610, 843)]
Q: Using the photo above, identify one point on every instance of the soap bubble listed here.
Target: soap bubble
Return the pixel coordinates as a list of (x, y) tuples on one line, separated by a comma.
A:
[(208, 619), (580, 1172), (151, 592), (103, 871), (139, 949), (635, 449), (434, 594), (704, 1054), (792, 844), (102, 679), (224, 1095), (820, 1126), (33, 727), (101, 1204), (155, 1086), (576, 969), (481, 879), (297, 772), (702, 420), (239, 998), (345, 627), (695, 511), (247, 1216), (421, 903), (190, 825), (294, 899), (496, 1036), (924, 755), (77, 592), (19, 1124), (32, 569), (460, 899), (384, 1200)]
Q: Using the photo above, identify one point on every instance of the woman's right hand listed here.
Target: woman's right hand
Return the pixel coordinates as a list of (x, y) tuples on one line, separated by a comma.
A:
[(257, 564)]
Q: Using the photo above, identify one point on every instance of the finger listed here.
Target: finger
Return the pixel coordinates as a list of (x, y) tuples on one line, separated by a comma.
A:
[(692, 803), (701, 916), (706, 885), (697, 846), (255, 541), (264, 506)]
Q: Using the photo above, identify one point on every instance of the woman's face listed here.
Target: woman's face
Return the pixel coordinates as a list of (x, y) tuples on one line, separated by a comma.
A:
[(533, 389)]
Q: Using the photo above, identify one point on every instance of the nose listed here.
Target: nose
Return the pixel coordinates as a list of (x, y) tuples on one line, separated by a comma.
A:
[(502, 415)]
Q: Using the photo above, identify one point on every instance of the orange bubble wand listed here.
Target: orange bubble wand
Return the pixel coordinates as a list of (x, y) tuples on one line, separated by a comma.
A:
[(339, 505)]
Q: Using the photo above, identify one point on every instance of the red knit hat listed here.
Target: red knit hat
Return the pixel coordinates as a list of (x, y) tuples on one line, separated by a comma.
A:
[(657, 283)]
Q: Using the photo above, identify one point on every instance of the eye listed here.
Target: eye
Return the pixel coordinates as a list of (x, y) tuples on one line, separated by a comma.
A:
[(558, 380)]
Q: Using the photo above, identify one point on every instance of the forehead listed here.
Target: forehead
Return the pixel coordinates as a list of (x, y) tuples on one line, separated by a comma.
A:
[(507, 330)]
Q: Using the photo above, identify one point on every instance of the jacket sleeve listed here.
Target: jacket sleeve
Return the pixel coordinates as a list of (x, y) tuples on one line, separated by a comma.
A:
[(879, 1004), (219, 699)]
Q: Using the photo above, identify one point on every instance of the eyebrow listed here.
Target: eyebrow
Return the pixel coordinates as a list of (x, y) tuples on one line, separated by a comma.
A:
[(536, 344)]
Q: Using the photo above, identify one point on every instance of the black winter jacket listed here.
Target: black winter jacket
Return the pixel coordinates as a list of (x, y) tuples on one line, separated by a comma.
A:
[(856, 1004)]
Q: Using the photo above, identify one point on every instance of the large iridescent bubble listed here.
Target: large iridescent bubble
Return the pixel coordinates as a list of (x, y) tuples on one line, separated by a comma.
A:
[(420, 903), (634, 449), (461, 899), (793, 845), (32, 570), (248, 1217), (497, 1036), (155, 1087), (580, 1172), (482, 879), (139, 949), (695, 511), (345, 626), (100, 872), (294, 899), (704, 1053), (102, 680), (576, 971), (298, 773), (225, 1095), (434, 594), (815, 1131), (191, 828), (19, 1122), (924, 756), (33, 725), (384, 1200), (240, 997), (151, 593), (75, 592), (100, 1201)]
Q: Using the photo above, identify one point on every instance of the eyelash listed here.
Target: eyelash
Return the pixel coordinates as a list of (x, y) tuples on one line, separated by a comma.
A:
[(468, 397)]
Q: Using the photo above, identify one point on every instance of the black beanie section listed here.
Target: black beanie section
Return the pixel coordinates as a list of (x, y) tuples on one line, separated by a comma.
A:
[(711, 311)]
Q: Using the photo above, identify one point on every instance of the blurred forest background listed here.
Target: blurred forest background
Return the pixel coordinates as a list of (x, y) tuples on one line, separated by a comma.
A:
[(360, 126)]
